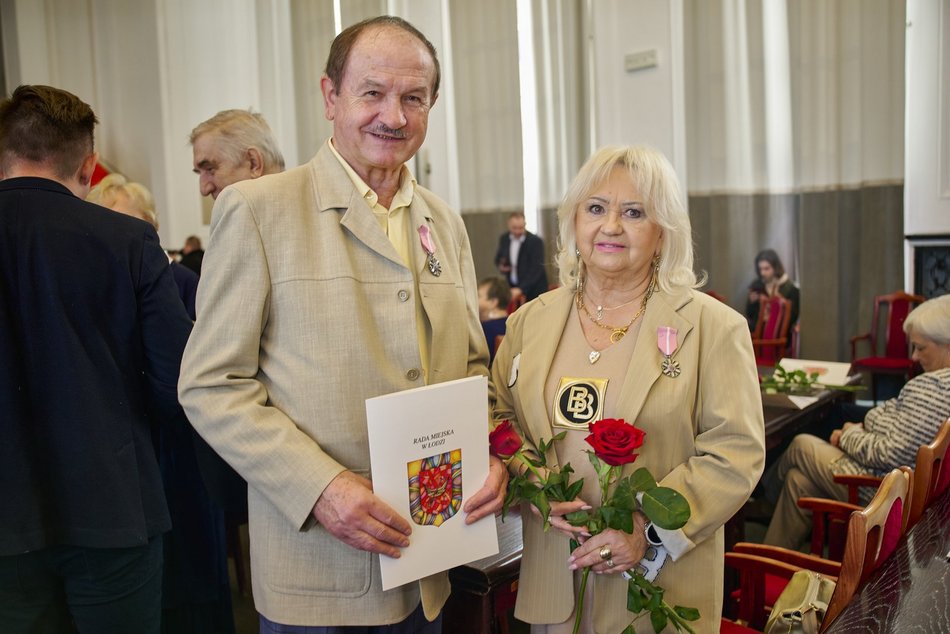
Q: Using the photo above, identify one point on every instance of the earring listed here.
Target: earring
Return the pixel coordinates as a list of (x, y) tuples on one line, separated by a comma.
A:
[(654, 285)]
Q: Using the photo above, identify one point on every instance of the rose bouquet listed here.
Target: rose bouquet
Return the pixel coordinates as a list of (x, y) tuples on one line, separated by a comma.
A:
[(614, 444)]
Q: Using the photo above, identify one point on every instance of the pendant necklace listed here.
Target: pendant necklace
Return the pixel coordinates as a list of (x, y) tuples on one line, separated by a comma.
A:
[(617, 332), (599, 313)]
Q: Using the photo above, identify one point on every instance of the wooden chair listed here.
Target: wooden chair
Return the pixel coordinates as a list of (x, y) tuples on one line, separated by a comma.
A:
[(931, 476), (830, 517), (770, 336), (873, 533), (895, 356)]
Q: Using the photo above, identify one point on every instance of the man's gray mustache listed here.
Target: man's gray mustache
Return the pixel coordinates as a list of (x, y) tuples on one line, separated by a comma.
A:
[(399, 134)]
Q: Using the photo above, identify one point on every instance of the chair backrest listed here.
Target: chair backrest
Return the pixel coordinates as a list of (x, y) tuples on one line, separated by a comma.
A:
[(932, 472), (772, 326), (873, 534), (895, 308)]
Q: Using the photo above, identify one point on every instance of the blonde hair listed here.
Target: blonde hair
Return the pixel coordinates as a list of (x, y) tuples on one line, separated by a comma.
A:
[(657, 183), (107, 191)]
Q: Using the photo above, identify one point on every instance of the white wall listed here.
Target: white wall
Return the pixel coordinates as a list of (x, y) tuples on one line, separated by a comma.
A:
[(152, 70), (927, 124), (642, 106)]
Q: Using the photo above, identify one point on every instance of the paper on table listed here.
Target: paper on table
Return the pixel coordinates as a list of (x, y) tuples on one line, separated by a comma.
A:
[(428, 455), (829, 372)]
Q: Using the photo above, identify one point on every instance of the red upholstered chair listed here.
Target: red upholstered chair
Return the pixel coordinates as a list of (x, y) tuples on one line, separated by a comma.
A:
[(887, 337), (873, 534), (770, 336)]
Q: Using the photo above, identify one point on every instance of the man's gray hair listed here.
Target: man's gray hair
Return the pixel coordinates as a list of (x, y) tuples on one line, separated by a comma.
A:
[(239, 130)]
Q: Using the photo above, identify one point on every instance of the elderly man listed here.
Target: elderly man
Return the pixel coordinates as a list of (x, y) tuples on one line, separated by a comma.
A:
[(232, 146), (331, 283), (91, 337)]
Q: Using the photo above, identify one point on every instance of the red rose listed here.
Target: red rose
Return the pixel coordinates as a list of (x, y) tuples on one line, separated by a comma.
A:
[(614, 440), (504, 441)]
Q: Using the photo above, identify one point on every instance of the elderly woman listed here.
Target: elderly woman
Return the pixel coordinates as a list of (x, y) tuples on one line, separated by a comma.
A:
[(117, 193), (196, 595), (888, 438), (590, 350)]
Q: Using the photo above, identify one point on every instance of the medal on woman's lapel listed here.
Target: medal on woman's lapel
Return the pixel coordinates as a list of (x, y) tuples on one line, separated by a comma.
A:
[(666, 341), (428, 244)]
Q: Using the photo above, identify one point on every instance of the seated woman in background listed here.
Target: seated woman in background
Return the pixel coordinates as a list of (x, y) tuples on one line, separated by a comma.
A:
[(888, 438), (627, 336), (772, 279), (494, 294)]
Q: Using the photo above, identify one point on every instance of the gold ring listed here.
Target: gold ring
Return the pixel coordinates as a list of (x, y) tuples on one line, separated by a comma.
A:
[(605, 552), (610, 563)]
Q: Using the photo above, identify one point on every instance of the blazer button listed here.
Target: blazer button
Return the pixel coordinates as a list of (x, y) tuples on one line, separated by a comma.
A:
[(412, 374), (403, 295)]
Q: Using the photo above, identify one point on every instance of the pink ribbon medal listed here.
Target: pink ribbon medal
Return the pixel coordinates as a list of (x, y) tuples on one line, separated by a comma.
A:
[(666, 342), (435, 267)]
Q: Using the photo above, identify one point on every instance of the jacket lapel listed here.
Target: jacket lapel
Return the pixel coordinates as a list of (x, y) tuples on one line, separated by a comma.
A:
[(645, 366), (333, 190), (541, 334)]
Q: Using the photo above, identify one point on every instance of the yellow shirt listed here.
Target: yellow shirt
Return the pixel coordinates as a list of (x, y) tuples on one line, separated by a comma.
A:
[(395, 224)]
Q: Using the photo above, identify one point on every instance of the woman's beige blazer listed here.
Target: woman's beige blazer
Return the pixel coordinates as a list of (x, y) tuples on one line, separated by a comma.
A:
[(704, 438)]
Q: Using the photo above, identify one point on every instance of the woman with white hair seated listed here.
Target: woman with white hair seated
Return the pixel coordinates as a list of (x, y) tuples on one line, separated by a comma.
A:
[(888, 437)]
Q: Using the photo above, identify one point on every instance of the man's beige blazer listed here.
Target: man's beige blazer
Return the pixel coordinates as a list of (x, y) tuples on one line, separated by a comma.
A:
[(305, 310), (704, 438)]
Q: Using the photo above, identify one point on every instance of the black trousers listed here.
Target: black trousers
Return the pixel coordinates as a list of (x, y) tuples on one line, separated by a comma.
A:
[(64, 589)]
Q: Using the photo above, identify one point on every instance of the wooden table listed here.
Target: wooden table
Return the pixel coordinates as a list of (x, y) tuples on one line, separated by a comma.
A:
[(910, 592), (484, 590)]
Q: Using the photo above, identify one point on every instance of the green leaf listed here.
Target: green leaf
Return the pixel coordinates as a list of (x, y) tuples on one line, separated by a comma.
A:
[(578, 518), (634, 598), (574, 544), (625, 496), (541, 502), (658, 620), (601, 467), (687, 614), (665, 507), (629, 630), (619, 519), (656, 599), (560, 436), (574, 490), (642, 480)]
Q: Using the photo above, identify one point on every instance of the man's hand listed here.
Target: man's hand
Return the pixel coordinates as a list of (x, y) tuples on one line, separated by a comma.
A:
[(354, 515), (491, 496)]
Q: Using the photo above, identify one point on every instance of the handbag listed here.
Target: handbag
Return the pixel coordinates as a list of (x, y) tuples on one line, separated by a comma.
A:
[(802, 604)]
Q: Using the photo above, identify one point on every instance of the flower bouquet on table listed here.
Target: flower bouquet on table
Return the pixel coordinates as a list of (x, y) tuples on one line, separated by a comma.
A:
[(614, 443)]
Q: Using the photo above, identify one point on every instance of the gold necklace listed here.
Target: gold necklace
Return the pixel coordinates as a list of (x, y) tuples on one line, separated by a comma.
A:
[(601, 309), (618, 332)]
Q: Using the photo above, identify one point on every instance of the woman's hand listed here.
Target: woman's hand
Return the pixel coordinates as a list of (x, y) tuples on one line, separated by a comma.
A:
[(559, 510), (612, 551)]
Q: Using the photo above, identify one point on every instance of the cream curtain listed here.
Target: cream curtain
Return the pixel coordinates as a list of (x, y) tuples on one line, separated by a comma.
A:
[(795, 142)]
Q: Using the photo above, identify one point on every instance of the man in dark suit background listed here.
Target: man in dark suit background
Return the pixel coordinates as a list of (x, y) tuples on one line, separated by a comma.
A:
[(91, 337), (520, 258)]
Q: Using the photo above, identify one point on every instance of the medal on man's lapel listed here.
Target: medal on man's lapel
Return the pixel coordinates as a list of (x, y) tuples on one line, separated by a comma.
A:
[(666, 342), (435, 267)]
